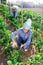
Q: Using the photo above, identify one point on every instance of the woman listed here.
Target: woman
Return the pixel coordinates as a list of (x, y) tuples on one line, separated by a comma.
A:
[(14, 11), (24, 35)]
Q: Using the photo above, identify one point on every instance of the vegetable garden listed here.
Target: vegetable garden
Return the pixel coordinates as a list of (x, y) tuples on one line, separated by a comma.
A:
[(8, 24)]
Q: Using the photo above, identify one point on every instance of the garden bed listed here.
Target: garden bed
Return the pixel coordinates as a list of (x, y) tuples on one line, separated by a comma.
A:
[(8, 25)]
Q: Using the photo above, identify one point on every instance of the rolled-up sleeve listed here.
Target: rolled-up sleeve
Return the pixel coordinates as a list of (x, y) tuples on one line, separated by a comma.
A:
[(29, 39), (14, 33)]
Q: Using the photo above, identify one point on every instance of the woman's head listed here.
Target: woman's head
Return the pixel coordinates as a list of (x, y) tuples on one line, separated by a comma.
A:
[(25, 30), (27, 25), (13, 8)]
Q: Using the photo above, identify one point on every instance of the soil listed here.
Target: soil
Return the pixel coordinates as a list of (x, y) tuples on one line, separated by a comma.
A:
[(2, 57), (27, 53), (10, 27)]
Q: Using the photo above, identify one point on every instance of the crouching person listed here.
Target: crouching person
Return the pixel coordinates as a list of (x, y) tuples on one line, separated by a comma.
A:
[(23, 36), (14, 11)]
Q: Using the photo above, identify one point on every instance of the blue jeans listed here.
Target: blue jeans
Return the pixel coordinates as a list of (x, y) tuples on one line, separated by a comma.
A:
[(20, 41), (15, 14)]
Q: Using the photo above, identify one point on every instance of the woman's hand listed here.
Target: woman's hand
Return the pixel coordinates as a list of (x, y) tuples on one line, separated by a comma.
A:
[(22, 45)]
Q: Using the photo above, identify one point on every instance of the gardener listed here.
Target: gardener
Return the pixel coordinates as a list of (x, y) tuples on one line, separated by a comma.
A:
[(14, 11), (24, 36)]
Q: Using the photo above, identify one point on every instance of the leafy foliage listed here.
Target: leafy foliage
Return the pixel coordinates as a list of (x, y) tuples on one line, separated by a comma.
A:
[(2, 23), (41, 26), (1, 8), (15, 63), (35, 33), (16, 23), (6, 11), (13, 55), (34, 59), (39, 44), (37, 23)]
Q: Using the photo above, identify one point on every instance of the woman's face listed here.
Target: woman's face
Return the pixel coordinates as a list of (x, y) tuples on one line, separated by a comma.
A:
[(25, 30)]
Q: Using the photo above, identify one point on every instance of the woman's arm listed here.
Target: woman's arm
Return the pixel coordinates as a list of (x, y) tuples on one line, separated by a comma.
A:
[(14, 34)]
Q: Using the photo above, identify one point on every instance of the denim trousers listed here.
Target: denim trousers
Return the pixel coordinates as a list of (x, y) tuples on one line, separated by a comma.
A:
[(20, 41)]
